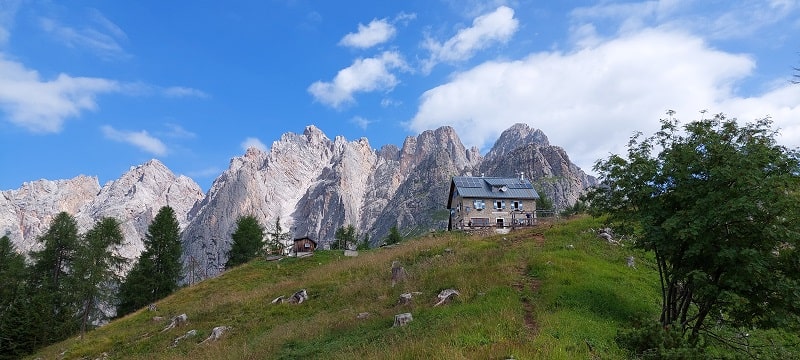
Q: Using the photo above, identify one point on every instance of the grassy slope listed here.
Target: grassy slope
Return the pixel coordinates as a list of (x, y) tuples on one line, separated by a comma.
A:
[(526, 294)]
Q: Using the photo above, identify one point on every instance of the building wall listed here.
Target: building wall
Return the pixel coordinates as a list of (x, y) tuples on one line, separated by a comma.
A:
[(300, 246), (466, 215)]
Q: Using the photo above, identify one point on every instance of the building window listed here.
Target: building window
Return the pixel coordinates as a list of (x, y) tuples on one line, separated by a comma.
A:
[(479, 204), (516, 205), (500, 222)]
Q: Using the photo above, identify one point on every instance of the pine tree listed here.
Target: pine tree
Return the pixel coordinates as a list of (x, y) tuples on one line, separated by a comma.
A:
[(344, 237), (96, 270), (158, 270), (248, 241), (52, 280), (394, 236), (278, 238), (12, 295)]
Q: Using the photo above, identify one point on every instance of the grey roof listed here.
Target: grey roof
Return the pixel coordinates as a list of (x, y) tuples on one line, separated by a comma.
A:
[(492, 188)]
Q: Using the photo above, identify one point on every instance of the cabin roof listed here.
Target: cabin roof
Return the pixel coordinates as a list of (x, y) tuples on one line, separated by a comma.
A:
[(492, 188)]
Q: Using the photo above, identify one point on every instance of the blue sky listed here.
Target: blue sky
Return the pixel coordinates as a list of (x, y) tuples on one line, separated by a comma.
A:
[(95, 87)]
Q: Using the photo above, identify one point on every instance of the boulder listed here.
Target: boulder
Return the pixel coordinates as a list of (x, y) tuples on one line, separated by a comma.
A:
[(402, 319), (176, 321), (190, 333), (216, 333), (445, 296)]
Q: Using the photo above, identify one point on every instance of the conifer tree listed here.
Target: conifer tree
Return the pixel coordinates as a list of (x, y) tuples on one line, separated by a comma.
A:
[(96, 270), (12, 296), (277, 238), (158, 270), (394, 236), (248, 241), (52, 279)]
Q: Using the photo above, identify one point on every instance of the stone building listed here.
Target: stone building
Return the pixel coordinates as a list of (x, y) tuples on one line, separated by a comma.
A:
[(481, 202)]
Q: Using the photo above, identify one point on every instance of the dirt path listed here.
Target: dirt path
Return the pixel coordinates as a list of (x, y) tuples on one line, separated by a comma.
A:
[(526, 282)]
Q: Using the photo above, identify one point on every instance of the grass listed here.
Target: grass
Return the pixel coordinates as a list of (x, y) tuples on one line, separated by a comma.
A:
[(552, 292)]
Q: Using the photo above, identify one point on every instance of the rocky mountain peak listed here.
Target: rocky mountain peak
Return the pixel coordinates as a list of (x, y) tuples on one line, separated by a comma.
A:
[(516, 136)]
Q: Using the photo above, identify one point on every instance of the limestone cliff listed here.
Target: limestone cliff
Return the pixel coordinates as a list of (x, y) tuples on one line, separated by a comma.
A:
[(313, 184)]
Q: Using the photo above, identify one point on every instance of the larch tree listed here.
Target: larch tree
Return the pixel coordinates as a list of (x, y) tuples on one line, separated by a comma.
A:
[(155, 275), (718, 204), (97, 268), (248, 241), (52, 281)]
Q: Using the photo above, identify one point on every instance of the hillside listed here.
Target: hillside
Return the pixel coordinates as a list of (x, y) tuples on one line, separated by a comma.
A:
[(553, 292)]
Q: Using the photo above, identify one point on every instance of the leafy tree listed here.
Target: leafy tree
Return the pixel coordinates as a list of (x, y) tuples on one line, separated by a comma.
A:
[(394, 236), (96, 270), (717, 203), (278, 238), (344, 237), (52, 281), (248, 241), (158, 270)]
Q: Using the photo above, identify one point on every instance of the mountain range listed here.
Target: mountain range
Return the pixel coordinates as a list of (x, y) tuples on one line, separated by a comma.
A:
[(312, 184)]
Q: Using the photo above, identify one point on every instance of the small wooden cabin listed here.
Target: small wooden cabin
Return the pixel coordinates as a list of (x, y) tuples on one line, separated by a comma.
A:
[(304, 245), (479, 202)]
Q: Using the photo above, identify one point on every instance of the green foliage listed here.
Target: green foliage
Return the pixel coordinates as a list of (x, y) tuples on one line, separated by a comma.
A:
[(394, 236), (364, 243), (345, 237), (13, 296), (248, 241), (52, 281), (544, 202), (278, 238), (96, 269), (718, 206), (158, 270)]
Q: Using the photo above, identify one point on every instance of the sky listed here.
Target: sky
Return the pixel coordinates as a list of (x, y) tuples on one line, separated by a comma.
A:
[(95, 87)]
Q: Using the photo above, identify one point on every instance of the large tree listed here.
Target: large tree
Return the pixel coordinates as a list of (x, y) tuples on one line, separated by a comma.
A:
[(248, 241), (345, 236), (718, 205), (97, 268), (278, 238), (52, 279), (158, 270)]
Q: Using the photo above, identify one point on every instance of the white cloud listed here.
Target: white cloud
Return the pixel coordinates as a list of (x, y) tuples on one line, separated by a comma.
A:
[(102, 37), (254, 143), (591, 100), (361, 122), (177, 131), (139, 139), (180, 92), (43, 106), (376, 32), (8, 10), (364, 75), (736, 20), (486, 30)]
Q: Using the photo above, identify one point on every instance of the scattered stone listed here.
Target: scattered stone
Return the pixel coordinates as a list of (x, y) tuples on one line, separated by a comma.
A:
[(631, 262), (362, 315), (448, 251), (351, 253), (103, 356), (398, 272), (157, 318), (216, 333), (278, 300), (405, 299), (570, 247), (273, 257), (190, 333), (152, 307), (445, 295), (608, 235), (402, 319), (299, 297), (176, 321)]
